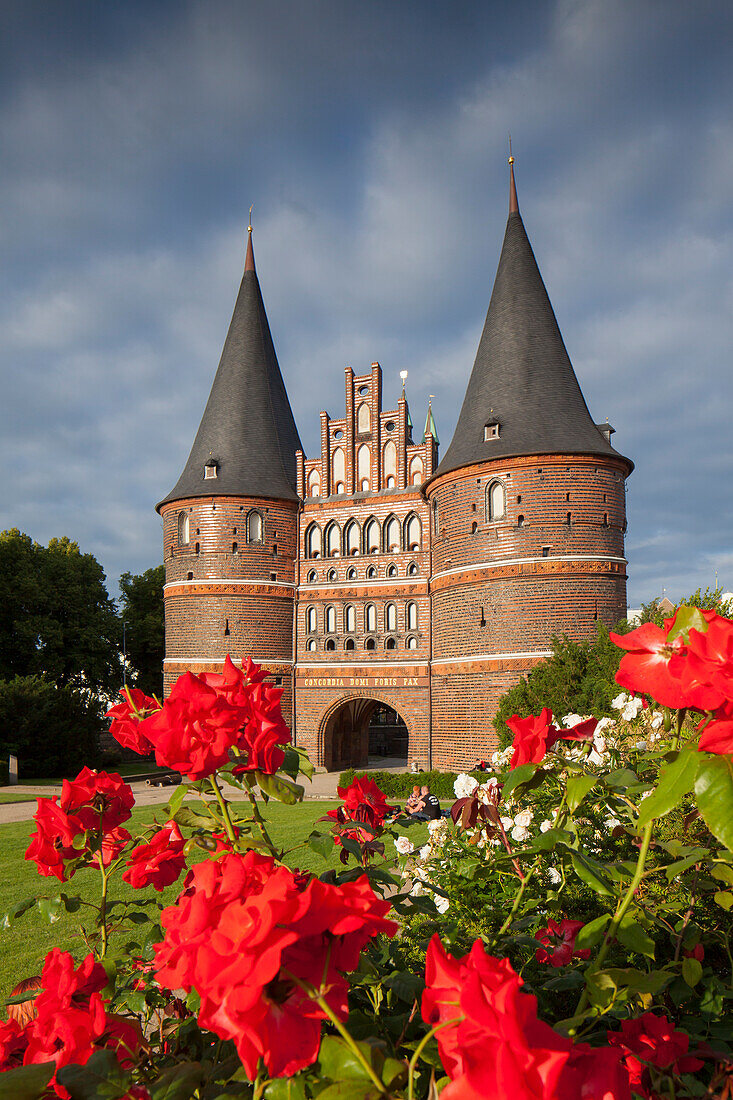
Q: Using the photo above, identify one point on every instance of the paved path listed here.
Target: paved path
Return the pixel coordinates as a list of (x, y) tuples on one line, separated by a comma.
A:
[(323, 786)]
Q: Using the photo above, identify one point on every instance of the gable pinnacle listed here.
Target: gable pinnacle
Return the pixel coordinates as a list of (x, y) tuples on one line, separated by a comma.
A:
[(249, 263)]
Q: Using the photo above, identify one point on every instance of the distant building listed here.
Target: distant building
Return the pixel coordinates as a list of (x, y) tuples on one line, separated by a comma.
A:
[(394, 598)]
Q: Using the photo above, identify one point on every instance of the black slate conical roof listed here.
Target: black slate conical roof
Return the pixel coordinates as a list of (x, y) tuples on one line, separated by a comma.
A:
[(248, 427), (522, 378)]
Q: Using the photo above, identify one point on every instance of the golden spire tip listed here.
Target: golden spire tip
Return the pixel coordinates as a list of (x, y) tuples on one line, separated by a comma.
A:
[(249, 227)]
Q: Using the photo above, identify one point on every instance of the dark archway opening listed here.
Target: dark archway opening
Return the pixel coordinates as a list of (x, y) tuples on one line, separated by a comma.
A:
[(364, 733), (387, 736)]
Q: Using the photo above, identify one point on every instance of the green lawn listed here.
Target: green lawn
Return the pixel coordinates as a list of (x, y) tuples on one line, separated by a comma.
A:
[(16, 797), (25, 943)]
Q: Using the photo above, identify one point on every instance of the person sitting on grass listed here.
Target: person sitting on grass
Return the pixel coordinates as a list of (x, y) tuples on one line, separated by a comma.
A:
[(413, 801), (428, 808)]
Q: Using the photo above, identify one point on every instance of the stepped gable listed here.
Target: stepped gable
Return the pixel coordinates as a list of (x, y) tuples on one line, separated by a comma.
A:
[(522, 378), (248, 429)]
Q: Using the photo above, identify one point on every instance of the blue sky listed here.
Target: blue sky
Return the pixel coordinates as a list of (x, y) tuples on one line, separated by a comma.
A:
[(371, 138)]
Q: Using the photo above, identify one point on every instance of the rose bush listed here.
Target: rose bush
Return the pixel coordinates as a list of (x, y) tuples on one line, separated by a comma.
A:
[(565, 934)]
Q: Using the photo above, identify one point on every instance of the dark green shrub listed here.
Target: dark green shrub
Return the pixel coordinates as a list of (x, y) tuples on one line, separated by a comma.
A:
[(400, 784), (54, 731)]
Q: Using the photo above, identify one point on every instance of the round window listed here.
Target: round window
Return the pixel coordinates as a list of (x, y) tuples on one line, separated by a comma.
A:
[(338, 434), (363, 391), (389, 426)]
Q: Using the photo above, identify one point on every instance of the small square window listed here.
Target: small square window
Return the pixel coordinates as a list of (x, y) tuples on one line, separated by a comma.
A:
[(209, 472), (545, 551), (273, 576), (491, 430)]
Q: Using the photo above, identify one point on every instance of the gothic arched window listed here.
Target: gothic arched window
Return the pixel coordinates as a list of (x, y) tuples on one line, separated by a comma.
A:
[(314, 483), (254, 526), (411, 616), (392, 535), (333, 540), (339, 471), (184, 529), (330, 620), (413, 533), (350, 619), (313, 541), (416, 470), (311, 621), (351, 538), (495, 501), (364, 468), (370, 618), (390, 617), (390, 464), (363, 419), (371, 537)]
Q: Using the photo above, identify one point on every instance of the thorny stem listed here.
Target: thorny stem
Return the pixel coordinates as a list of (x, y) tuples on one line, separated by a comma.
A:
[(419, 1049), (508, 847), (345, 1035), (620, 913), (224, 810)]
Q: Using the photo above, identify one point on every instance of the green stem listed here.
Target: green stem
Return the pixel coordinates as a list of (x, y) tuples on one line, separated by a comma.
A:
[(103, 907), (419, 1049), (257, 816), (224, 811), (518, 897), (678, 727), (620, 913)]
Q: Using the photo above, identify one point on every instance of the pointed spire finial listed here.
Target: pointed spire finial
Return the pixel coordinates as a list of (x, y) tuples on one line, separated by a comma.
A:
[(513, 203), (403, 376), (249, 263)]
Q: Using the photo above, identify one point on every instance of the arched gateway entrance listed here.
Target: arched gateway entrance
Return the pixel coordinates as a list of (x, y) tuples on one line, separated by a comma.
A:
[(356, 732)]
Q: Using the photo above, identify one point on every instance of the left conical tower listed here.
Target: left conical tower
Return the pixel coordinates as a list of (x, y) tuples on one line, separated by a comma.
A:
[(230, 522)]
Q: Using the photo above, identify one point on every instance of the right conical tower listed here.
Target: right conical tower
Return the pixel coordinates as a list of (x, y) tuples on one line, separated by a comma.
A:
[(528, 512)]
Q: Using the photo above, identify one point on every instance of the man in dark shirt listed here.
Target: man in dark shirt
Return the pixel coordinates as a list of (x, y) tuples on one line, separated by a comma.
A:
[(428, 808)]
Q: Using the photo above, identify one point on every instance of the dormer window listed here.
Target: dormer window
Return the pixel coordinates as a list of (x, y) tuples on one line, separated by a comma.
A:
[(491, 430), (211, 468)]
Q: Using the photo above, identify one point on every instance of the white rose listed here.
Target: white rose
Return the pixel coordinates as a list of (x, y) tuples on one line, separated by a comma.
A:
[(554, 876), (545, 825), (441, 904), (404, 846), (524, 818), (571, 720), (631, 709), (464, 785), (425, 851), (520, 832), (620, 701), (612, 822), (437, 826), (496, 758), (599, 743), (657, 720), (507, 822), (604, 724)]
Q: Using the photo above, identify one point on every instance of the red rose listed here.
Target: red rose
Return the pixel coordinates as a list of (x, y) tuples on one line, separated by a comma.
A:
[(263, 727), (594, 1073), (126, 717), (245, 932), (561, 939), (708, 669), (158, 863), (717, 735), (99, 800), (652, 1040), (697, 952), (363, 802), (195, 729), (52, 844), (535, 736), (13, 1044), (498, 1047)]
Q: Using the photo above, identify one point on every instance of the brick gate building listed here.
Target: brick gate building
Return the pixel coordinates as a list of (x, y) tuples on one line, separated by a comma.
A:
[(372, 577)]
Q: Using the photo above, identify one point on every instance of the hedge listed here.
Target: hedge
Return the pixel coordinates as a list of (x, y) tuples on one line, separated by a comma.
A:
[(400, 784)]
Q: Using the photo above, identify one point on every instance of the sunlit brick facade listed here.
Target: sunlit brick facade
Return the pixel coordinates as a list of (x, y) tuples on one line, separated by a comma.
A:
[(369, 574)]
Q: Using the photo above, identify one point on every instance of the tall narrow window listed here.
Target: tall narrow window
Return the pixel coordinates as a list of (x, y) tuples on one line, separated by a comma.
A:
[(416, 470), (350, 619), (363, 419), (364, 467), (370, 618), (413, 533), (351, 538), (313, 541), (390, 464), (390, 617), (411, 616), (330, 620), (184, 529), (392, 535), (412, 642), (333, 540), (254, 526), (371, 537), (495, 501), (311, 621), (339, 471), (314, 483), (436, 519)]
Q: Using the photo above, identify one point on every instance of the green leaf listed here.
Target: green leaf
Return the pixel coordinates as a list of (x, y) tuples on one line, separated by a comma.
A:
[(685, 619), (306, 766), (177, 1083), (26, 1082), (714, 794), (321, 844), (407, 986), (691, 971), (591, 873), (723, 872), (282, 789), (621, 777), (72, 902), (578, 787), (286, 1088), (523, 774), (21, 908), (631, 934), (50, 908), (101, 1078), (338, 1061), (676, 779), (184, 815), (176, 799), (351, 1089), (592, 933), (724, 898)]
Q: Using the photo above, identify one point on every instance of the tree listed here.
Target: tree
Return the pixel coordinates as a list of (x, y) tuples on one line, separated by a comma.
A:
[(141, 608), (54, 731), (709, 600), (56, 619)]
